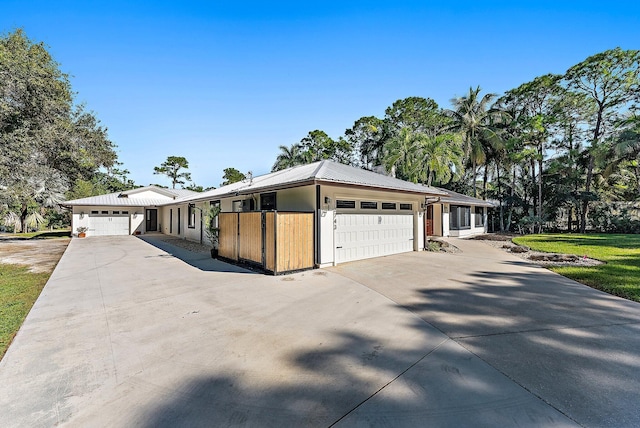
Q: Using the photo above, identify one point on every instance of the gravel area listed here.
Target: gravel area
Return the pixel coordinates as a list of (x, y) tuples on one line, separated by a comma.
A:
[(504, 243), (187, 245)]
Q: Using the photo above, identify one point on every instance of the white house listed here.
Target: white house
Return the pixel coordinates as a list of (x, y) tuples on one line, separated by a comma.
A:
[(357, 214)]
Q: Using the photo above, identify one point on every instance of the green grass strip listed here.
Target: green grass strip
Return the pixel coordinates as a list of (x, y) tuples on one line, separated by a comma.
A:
[(620, 275), (19, 289)]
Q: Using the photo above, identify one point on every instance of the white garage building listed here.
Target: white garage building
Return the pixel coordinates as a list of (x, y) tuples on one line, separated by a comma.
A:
[(357, 214)]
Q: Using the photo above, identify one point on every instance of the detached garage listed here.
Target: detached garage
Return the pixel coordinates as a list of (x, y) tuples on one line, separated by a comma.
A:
[(122, 213)]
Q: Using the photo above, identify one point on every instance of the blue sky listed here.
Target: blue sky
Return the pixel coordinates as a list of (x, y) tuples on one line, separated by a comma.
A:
[(224, 83)]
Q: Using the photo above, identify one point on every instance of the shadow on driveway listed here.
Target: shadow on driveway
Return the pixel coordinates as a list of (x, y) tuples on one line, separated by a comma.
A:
[(202, 261)]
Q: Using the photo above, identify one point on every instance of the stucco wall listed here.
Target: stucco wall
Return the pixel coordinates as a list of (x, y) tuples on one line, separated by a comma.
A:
[(464, 233)]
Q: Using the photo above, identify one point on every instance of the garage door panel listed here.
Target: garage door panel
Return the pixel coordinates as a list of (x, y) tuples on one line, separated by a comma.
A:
[(361, 236), (104, 225)]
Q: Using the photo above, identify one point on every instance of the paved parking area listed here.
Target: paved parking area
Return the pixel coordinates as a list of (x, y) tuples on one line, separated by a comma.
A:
[(132, 334)]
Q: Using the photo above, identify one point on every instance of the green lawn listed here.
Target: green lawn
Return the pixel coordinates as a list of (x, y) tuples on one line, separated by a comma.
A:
[(621, 273), (44, 234), (19, 289)]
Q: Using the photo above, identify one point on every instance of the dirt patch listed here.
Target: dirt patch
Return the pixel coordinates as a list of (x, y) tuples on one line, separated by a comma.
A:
[(194, 247), (504, 243), (41, 255)]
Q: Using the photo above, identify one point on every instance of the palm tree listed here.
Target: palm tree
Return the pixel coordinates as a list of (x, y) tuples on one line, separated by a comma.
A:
[(473, 117), (288, 157), (402, 154), (442, 158)]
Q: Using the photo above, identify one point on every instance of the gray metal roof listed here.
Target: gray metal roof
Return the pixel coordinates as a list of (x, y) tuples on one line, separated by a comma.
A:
[(459, 198), (318, 172), (128, 198)]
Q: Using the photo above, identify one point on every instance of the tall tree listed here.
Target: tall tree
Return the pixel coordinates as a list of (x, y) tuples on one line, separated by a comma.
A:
[(473, 117), (173, 168), (232, 175), (48, 142), (536, 103), (611, 81), (367, 137), (288, 157)]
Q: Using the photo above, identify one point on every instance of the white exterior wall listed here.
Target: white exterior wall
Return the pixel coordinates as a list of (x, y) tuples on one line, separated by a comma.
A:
[(297, 199), (80, 217), (328, 211), (463, 233)]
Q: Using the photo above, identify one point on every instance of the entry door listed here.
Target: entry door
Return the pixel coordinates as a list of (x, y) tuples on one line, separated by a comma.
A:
[(152, 220), (428, 221)]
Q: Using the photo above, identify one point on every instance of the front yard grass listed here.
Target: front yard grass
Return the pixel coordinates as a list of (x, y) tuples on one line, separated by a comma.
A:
[(620, 275), (19, 289)]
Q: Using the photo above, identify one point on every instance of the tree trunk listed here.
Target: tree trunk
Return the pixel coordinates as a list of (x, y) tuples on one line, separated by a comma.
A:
[(513, 192), (500, 197), (540, 153), (485, 178), (533, 180), (587, 189), (23, 218), (473, 178), (587, 186)]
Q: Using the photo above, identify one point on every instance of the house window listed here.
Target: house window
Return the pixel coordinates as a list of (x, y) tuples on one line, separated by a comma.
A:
[(116, 212), (94, 212), (459, 217), (345, 204), (408, 207), (191, 213), (125, 212), (479, 221), (388, 205), (216, 220), (366, 205), (105, 212), (236, 206), (268, 201)]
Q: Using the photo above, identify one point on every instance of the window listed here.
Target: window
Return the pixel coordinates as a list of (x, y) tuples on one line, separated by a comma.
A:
[(94, 212), (365, 205), (268, 201), (388, 205), (125, 212), (459, 217), (105, 212), (479, 222), (345, 204), (116, 212), (236, 206), (191, 216), (408, 207), (216, 220)]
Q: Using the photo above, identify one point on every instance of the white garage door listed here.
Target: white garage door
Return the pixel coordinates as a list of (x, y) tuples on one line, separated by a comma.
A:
[(361, 236), (105, 225)]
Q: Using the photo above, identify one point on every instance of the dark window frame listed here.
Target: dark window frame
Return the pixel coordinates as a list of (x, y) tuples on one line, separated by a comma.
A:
[(345, 204), (368, 205), (459, 217), (389, 206), (267, 203), (479, 217), (406, 207), (191, 216), (95, 212)]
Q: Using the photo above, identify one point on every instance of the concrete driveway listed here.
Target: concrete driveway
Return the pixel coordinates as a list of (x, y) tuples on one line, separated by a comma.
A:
[(130, 334)]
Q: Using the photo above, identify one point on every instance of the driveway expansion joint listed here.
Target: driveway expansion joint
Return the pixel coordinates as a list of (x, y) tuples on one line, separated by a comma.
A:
[(438, 346), (537, 330)]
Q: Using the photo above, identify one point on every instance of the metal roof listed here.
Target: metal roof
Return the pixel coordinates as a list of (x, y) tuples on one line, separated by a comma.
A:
[(128, 198), (318, 172), (459, 198)]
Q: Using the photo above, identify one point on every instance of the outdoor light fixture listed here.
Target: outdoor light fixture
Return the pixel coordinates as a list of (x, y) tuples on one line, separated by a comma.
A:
[(327, 200), (81, 215)]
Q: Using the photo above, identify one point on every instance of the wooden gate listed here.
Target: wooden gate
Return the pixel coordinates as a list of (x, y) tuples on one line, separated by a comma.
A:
[(278, 242)]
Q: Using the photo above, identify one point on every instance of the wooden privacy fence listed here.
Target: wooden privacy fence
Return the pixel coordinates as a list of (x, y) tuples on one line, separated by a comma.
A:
[(279, 242)]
